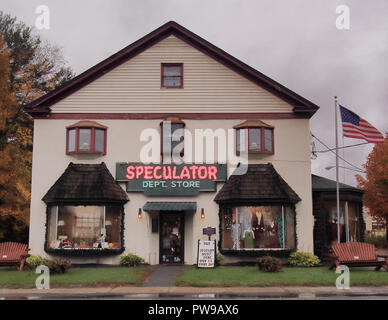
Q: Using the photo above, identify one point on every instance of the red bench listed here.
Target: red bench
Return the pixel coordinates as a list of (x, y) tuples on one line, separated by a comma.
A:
[(358, 254), (13, 254)]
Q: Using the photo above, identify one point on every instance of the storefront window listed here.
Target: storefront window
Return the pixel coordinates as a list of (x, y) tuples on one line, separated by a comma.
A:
[(259, 227), (348, 222), (84, 227)]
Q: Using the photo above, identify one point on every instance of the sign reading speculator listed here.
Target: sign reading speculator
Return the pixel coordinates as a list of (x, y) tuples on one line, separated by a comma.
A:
[(170, 179)]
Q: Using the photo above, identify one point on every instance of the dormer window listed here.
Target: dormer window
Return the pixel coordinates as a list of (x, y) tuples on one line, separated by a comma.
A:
[(172, 75), (254, 136), (86, 137)]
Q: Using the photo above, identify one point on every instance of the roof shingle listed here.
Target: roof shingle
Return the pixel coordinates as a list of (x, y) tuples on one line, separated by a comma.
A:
[(86, 182), (261, 183)]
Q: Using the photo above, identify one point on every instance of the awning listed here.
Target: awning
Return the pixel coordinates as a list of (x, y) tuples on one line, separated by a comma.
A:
[(86, 183), (170, 206)]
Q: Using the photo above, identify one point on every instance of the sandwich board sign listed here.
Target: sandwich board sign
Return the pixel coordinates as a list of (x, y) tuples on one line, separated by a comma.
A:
[(206, 254)]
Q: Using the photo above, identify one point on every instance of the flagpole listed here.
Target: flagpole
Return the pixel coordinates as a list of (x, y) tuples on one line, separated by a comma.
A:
[(337, 169)]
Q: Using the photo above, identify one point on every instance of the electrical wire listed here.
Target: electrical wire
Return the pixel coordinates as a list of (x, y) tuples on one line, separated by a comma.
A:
[(332, 150)]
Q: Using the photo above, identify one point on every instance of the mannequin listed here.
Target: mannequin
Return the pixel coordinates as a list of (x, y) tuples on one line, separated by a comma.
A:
[(249, 237), (273, 235)]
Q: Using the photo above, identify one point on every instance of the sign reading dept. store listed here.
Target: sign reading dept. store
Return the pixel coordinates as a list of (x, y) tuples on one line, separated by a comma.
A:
[(170, 179)]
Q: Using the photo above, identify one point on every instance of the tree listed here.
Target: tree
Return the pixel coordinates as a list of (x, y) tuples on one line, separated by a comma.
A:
[(29, 68), (376, 182)]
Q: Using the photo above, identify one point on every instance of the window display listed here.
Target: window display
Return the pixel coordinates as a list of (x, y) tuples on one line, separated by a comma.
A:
[(84, 227), (259, 227)]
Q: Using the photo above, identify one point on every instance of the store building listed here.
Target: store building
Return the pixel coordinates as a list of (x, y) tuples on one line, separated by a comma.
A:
[(351, 224), (93, 197)]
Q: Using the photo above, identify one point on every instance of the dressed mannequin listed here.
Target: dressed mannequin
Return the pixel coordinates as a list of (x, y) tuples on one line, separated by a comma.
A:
[(273, 235), (259, 232), (249, 237)]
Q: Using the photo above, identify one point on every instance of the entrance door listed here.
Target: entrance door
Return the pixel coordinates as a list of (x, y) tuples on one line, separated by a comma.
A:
[(171, 238)]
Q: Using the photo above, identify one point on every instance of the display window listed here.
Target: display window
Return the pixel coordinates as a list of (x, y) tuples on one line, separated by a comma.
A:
[(258, 227), (348, 222), (84, 227)]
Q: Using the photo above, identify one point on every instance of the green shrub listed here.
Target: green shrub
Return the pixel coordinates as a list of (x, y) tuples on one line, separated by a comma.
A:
[(57, 265), (219, 259), (303, 259), (269, 264), (34, 261), (131, 260), (379, 242)]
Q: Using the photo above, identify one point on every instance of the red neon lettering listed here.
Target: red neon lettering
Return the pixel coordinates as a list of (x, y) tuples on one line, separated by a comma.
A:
[(212, 173), (202, 172), (193, 170), (139, 171), (167, 176), (185, 173), (130, 174), (156, 175), (174, 176), (148, 172)]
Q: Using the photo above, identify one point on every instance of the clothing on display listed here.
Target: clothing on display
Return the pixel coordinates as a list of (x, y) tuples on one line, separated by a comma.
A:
[(273, 236), (248, 238)]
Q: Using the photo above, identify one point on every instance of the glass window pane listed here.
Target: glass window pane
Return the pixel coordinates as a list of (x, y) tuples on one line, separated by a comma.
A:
[(289, 224), (353, 222), (254, 139), (71, 140), (80, 226), (240, 139), (113, 226), (332, 231), (260, 227), (52, 227), (268, 139), (99, 140), (84, 139), (172, 81), (172, 71)]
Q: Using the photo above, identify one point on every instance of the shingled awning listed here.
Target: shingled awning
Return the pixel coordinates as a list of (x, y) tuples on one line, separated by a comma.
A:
[(261, 183), (82, 183)]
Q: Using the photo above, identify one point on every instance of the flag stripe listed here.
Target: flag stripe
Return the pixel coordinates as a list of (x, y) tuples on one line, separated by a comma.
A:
[(355, 127)]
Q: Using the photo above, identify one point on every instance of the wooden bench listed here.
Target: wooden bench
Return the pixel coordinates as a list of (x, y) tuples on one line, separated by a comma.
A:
[(358, 254), (13, 254)]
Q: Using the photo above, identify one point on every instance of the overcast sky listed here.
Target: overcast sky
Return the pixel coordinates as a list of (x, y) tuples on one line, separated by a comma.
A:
[(295, 42)]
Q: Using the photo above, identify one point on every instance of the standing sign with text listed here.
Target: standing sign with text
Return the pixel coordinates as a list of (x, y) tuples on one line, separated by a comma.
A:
[(170, 179), (206, 254)]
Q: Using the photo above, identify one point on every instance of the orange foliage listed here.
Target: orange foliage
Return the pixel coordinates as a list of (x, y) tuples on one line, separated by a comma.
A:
[(376, 182)]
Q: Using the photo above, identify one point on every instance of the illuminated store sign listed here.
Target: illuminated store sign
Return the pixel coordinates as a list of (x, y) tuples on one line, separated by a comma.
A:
[(170, 179)]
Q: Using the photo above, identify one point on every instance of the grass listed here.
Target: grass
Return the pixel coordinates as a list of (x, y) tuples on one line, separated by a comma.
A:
[(77, 277), (251, 276)]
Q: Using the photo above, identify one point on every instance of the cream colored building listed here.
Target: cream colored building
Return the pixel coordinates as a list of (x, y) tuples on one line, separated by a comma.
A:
[(169, 76)]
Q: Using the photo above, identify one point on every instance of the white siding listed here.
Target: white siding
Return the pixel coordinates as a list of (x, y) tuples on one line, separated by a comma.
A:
[(134, 87)]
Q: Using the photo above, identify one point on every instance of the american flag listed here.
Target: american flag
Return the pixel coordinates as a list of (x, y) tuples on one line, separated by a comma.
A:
[(355, 127)]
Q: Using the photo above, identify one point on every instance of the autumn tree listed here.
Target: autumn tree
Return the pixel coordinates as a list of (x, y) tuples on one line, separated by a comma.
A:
[(29, 69), (376, 182)]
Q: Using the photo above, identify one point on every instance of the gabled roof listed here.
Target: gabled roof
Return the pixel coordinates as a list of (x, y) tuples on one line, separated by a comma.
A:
[(261, 183), (92, 183), (42, 105), (323, 184)]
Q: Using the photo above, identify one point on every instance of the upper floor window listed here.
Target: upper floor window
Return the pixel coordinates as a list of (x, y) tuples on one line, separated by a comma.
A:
[(172, 75), (254, 136), (86, 137), (172, 137)]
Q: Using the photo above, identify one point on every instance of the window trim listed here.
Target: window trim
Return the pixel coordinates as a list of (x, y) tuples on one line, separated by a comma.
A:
[(93, 128), (262, 140), (162, 85), (84, 252), (173, 120)]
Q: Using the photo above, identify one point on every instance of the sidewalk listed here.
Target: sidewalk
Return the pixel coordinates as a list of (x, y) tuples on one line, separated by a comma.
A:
[(230, 291)]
